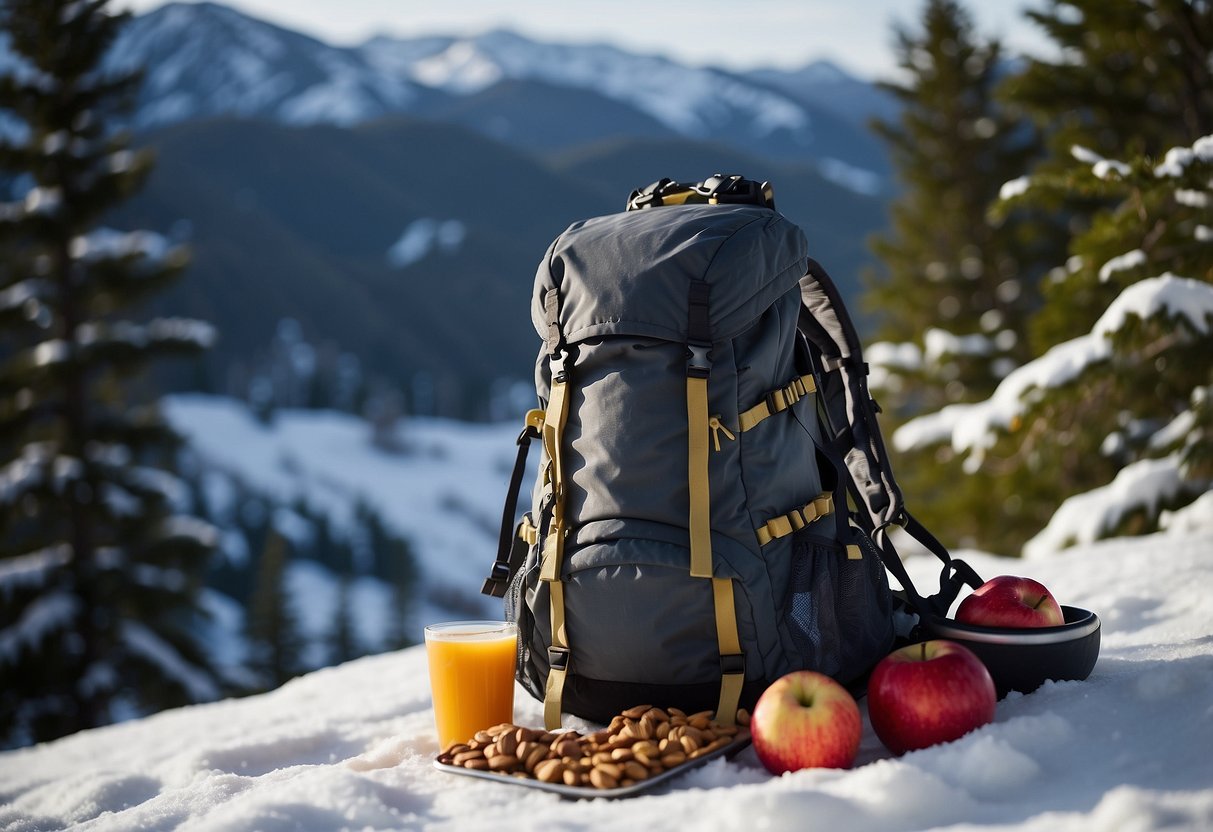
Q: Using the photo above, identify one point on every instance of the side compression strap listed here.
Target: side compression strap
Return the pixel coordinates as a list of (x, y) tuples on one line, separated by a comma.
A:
[(797, 518), (776, 401), (553, 548)]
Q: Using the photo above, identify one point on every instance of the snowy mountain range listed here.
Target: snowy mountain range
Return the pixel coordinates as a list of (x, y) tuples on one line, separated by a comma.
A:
[(205, 59)]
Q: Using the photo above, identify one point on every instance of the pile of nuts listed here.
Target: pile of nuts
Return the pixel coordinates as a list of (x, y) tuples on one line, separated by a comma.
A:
[(638, 744)]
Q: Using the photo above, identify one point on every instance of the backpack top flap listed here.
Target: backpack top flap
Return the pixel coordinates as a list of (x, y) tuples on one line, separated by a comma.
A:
[(629, 273)]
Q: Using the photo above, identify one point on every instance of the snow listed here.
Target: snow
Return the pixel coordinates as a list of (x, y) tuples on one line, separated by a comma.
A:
[(351, 747), (689, 100), (1193, 199), (49, 612), (1124, 262), (145, 643), (1015, 187), (1178, 158), (444, 494), (887, 360), (107, 242), (31, 569), (851, 177), (939, 344), (971, 426), (1101, 168), (1085, 517), (423, 236)]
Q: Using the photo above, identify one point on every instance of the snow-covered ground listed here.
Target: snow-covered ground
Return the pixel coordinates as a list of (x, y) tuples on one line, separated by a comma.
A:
[(443, 492), (352, 746)]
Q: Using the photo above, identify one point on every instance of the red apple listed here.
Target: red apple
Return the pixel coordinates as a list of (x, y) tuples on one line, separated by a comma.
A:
[(927, 693), (805, 720), (1007, 601)]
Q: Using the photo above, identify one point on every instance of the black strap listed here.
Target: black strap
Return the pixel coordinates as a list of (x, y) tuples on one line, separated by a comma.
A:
[(500, 573), (699, 327)]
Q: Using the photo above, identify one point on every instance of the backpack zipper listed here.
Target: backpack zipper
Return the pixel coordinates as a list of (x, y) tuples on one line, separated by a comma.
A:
[(718, 428)]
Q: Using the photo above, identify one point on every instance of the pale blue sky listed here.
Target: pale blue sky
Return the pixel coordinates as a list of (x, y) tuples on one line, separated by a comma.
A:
[(735, 34)]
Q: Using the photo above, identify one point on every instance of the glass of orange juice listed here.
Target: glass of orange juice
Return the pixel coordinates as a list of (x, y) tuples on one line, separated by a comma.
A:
[(471, 676)]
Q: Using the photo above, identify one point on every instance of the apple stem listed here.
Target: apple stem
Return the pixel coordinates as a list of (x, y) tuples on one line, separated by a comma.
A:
[(1036, 606), (923, 647)]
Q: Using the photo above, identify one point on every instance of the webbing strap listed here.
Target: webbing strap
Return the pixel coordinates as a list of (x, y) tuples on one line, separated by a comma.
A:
[(777, 400), (795, 519), (732, 662), (697, 478), (558, 657), (553, 547)]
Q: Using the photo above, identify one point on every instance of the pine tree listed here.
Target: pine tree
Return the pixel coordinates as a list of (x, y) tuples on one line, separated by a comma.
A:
[(343, 640), (272, 626), (100, 568), (1110, 425), (955, 289)]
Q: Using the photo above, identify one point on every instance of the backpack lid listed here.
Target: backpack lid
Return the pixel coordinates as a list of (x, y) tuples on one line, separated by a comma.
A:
[(630, 273)]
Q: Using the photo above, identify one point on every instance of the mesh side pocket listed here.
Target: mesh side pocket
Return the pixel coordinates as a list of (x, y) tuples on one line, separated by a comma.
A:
[(518, 612), (812, 613), (839, 609)]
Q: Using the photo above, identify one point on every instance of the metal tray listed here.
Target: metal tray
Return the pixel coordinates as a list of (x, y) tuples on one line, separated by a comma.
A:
[(589, 792)]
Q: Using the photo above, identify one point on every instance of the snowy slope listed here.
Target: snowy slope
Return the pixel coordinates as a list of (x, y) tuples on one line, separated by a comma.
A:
[(694, 102), (444, 493), (351, 747), (207, 59)]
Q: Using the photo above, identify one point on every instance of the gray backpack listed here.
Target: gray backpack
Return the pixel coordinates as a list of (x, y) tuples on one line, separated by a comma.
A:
[(704, 415)]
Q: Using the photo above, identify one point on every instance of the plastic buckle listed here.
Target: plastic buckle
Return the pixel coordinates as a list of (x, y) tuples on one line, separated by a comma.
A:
[(558, 363), (699, 360), (652, 195), (732, 664), (772, 403), (558, 658)]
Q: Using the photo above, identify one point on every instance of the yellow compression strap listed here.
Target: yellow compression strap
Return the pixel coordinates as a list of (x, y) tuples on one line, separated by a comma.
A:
[(697, 477), (732, 678), (795, 519), (777, 400), (732, 662), (553, 550)]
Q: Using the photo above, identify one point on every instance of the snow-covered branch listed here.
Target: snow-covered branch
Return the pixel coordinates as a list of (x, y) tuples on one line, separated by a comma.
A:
[(972, 427), (1086, 517)]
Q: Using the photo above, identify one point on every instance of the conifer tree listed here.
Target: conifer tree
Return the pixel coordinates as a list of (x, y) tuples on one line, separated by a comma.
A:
[(1110, 425), (1134, 79), (954, 289), (343, 640), (100, 568), (272, 626)]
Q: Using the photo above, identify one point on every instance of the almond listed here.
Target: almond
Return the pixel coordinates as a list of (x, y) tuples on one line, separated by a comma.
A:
[(503, 762), (599, 779), (549, 771), (636, 712)]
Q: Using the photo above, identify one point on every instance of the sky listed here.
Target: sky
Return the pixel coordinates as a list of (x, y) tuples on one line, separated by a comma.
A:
[(856, 34)]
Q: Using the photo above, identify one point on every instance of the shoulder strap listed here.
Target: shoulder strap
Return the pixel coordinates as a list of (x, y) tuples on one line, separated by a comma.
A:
[(853, 434)]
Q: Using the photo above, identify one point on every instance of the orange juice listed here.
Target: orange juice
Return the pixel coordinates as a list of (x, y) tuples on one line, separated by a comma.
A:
[(471, 676)]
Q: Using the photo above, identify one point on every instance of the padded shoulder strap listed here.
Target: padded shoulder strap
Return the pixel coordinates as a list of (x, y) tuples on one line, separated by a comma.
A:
[(854, 435), (843, 391)]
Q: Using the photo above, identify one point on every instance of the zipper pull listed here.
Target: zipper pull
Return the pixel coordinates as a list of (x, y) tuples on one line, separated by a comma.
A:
[(718, 428)]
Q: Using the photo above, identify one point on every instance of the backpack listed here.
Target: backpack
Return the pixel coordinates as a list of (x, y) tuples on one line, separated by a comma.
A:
[(704, 418)]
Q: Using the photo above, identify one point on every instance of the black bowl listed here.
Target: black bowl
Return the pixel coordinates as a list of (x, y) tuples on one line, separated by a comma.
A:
[(1023, 659)]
